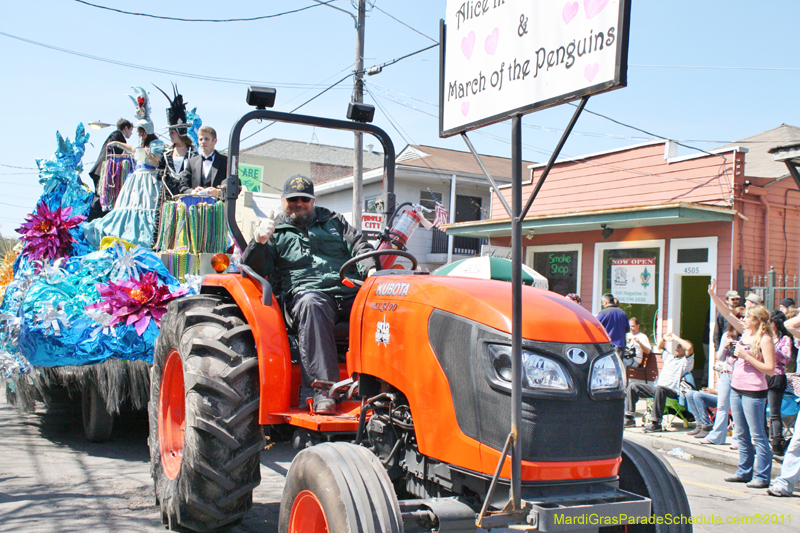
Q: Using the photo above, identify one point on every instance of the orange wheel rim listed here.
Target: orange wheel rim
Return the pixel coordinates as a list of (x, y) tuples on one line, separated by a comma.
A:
[(172, 415), (307, 515)]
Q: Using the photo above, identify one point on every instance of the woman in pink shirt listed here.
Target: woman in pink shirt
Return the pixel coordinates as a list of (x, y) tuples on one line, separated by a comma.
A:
[(755, 360)]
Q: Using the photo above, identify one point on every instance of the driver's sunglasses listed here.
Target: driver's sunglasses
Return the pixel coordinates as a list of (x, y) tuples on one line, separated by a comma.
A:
[(303, 199)]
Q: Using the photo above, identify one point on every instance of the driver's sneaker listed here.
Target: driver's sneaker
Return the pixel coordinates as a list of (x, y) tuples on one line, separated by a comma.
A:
[(324, 405)]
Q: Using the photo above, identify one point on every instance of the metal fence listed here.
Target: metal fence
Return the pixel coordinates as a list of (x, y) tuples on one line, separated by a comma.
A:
[(772, 286), (461, 245)]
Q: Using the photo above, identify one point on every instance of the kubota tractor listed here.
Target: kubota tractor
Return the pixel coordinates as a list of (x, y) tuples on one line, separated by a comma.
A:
[(425, 401)]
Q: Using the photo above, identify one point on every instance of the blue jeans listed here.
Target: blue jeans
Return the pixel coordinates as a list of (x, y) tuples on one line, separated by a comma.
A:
[(698, 403), (720, 431), (790, 471), (755, 456)]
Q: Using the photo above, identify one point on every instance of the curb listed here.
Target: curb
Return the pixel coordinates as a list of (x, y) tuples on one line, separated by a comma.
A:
[(706, 452)]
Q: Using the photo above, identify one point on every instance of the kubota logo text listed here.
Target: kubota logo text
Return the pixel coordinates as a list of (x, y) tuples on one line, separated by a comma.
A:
[(392, 289)]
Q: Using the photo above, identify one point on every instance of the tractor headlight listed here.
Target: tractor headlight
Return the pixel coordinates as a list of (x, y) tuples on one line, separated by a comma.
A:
[(607, 375), (540, 373)]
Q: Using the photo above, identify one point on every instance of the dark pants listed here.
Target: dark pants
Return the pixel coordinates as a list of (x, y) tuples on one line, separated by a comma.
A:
[(777, 386), (645, 390), (314, 315)]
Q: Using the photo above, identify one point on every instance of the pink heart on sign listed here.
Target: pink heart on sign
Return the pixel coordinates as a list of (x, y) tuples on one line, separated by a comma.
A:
[(490, 45), (569, 12), (593, 7), (465, 108), (467, 44), (591, 71)]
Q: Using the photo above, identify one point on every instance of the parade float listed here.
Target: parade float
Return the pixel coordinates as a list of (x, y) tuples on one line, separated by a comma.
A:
[(78, 322)]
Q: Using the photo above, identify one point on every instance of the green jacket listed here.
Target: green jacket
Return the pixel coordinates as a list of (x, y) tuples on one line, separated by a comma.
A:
[(301, 259)]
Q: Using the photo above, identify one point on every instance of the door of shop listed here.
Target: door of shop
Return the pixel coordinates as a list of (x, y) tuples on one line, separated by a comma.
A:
[(695, 319)]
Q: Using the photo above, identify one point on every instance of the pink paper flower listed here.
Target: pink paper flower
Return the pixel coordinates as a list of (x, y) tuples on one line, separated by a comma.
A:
[(136, 301), (46, 232)]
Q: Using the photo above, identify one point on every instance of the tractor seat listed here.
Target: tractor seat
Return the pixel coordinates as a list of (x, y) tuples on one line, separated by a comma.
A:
[(341, 335)]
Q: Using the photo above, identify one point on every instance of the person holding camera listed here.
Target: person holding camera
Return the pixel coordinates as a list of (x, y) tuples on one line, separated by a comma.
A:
[(637, 347), (755, 360), (724, 368)]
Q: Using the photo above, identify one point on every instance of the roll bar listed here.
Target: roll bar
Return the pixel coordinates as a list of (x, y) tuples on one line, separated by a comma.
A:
[(233, 184)]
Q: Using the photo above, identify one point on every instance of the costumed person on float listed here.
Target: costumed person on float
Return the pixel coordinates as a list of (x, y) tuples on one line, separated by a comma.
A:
[(135, 213), (183, 126)]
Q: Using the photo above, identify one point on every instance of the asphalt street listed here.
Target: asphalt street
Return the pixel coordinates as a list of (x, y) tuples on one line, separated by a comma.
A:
[(53, 480)]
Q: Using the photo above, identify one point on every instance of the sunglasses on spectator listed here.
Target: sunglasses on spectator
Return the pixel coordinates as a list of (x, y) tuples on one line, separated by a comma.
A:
[(303, 199)]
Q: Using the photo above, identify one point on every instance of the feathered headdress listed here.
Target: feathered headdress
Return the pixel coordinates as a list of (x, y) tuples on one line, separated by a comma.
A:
[(142, 103), (185, 122)]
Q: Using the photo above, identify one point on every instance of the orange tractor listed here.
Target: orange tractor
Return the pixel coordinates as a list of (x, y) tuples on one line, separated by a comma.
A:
[(425, 403)]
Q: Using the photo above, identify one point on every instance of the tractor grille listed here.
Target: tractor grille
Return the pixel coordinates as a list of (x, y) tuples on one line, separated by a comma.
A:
[(554, 427)]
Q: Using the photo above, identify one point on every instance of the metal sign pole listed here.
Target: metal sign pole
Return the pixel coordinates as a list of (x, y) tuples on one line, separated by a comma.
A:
[(516, 309)]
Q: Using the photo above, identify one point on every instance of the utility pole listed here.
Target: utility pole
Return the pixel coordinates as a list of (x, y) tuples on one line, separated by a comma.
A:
[(358, 97)]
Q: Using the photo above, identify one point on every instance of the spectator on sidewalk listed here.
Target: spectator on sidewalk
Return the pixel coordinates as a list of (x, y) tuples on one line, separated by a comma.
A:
[(721, 325), (615, 321), (666, 386), (785, 304), (790, 470), (699, 402), (724, 366), (637, 345), (777, 382), (755, 360), (752, 300)]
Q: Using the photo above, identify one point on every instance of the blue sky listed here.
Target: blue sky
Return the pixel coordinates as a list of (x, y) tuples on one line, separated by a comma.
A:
[(748, 85)]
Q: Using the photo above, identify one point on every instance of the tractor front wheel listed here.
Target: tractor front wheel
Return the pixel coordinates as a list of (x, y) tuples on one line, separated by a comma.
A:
[(644, 473), (205, 440), (338, 488)]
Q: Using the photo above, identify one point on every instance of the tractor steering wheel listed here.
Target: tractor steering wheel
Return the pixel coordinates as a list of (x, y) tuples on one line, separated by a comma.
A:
[(374, 253)]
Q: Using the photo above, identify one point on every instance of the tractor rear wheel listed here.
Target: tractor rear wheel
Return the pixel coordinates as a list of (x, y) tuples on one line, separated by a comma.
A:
[(205, 440), (338, 488), (97, 421), (644, 473)]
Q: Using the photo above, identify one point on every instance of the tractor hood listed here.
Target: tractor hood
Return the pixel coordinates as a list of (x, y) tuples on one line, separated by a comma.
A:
[(546, 316)]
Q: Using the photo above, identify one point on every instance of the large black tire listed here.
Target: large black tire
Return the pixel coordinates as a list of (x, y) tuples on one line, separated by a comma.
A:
[(340, 488), (645, 473), (208, 485), (97, 421)]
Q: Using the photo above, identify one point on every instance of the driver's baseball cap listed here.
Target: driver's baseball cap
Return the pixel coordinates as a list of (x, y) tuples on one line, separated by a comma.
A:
[(298, 185), (732, 294)]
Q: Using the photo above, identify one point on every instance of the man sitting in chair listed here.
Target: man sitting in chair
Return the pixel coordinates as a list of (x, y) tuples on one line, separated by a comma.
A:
[(666, 386)]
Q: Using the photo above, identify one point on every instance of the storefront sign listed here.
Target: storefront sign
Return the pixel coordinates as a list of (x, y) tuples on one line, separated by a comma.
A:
[(251, 176), (502, 57), (633, 280), (560, 268), (371, 223), (496, 251)]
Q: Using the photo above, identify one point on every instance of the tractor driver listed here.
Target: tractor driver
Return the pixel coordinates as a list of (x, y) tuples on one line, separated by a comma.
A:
[(301, 251)]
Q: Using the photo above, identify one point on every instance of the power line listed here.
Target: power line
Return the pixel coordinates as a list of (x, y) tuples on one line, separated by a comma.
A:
[(404, 24), (163, 71), (199, 20), (12, 166), (298, 107), (393, 61)]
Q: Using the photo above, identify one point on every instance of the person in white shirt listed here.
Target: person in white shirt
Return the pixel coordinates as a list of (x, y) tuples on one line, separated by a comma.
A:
[(667, 385), (637, 345)]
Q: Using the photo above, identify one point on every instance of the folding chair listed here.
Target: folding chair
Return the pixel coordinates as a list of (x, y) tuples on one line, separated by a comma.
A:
[(674, 407)]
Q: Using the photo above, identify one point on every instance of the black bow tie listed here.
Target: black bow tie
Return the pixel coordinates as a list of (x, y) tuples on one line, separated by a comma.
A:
[(209, 158)]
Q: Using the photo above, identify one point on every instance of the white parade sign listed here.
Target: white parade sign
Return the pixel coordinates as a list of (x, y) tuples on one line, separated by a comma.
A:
[(503, 57), (633, 280), (371, 223)]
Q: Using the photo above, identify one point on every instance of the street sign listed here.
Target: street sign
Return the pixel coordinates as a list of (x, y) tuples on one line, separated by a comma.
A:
[(371, 223), (506, 57), (251, 176)]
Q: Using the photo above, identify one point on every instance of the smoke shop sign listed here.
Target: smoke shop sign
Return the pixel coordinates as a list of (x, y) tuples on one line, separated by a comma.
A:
[(633, 280), (502, 57)]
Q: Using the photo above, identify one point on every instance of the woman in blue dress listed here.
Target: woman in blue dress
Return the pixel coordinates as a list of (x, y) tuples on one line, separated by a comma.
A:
[(135, 212)]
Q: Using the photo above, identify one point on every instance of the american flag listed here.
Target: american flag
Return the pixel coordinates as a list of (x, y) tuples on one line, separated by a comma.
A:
[(442, 216)]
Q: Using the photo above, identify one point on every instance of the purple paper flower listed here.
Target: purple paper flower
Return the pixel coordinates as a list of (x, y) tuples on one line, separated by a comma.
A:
[(47, 234), (136, 301)]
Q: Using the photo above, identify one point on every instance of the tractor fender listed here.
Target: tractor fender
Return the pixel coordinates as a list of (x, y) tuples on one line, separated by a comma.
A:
[(272, 342)]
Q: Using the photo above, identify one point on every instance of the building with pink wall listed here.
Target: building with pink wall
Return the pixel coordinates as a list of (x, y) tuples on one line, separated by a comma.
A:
[(653, 227)]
